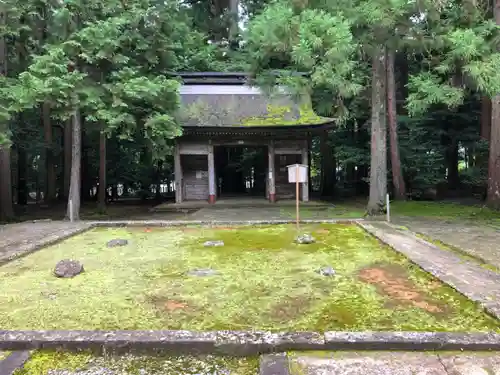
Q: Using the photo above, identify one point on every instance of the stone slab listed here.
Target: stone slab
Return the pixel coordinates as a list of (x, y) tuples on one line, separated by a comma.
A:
[(241, 343), (468, 364), (394, 363), (18, 240), (411, 341), (467, 277), (274, 364), (13, 362), (180, 223), (479, 241), (367, 363)]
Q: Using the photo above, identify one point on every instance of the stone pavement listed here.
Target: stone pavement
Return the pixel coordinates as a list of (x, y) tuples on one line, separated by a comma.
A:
[(23, 238), (239, 214), (395, 363), (480, 241)]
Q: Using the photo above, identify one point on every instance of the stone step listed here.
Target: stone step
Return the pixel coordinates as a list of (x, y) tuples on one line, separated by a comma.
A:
[(381, 363)]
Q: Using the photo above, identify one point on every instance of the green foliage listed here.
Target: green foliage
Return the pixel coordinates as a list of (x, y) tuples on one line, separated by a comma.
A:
[(283, 40)]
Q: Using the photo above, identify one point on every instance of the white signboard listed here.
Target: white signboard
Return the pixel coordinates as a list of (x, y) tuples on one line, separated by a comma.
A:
[(293, 173), (201, 174)]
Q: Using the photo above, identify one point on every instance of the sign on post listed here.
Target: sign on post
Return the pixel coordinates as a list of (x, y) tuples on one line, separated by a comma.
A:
[(297, 173)]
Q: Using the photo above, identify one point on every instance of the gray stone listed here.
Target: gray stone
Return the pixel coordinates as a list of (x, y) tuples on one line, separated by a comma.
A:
[(68, 268), (274, 364), (305, 239), (13, 362), (326, 271), (203, 272), (213, 243), (117, 242)]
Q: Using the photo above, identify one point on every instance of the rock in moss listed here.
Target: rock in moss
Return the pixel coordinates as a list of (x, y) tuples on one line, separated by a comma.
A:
[(305, 239), (203, 272), (117, 242), (326, 271), (213, 243), (67, 268)]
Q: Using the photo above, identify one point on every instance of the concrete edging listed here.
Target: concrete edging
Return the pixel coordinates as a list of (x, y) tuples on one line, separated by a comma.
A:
[(177, 223), (240, 343)]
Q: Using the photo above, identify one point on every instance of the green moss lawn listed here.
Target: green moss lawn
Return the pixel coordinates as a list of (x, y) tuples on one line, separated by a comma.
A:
[(265, 281), (46, 362)]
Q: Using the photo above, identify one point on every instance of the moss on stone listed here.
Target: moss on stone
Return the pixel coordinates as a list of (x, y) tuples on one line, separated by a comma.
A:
[(43, 362)]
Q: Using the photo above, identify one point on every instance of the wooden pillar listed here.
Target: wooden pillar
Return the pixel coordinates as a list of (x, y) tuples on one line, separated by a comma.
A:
[(271, 174), (305, 161), (211, 174), (178, 174)]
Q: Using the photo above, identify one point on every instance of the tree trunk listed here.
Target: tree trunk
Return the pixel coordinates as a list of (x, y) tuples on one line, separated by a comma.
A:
[(493, 195), (6, 207), (76, 154), (50, 181), (327, 167), (378, 165), (67, 158), (397, 174), (102, 170), (22, 183), (485, 118), (233, 27)]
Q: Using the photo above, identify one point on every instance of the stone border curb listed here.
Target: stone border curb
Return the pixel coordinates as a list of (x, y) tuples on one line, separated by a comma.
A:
[(240, 343), (177, 223), (13, 362), (32, 247)]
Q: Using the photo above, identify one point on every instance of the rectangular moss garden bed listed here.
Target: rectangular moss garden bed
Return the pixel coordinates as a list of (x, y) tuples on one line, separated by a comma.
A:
[(165, 278)]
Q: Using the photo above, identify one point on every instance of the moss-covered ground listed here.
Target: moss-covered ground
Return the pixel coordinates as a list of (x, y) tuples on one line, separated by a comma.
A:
[(415, 209), (264, 281), (46, 362)]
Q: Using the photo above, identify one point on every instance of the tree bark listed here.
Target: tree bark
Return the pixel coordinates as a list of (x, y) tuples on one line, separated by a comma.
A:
[(102, 170), (6, 206), (234, 26), (22, 183), (327, 167), (378, 164), (50, 181), (397, 174), (76, 154), (493, 195), (67, 158), (485, 118)]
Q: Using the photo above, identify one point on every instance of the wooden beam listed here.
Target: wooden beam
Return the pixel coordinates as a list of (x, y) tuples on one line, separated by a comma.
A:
[(271, 174), (178, 174), (211, 174), (305, 161)]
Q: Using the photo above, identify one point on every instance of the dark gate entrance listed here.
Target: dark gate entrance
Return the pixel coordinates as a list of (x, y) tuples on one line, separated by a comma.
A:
[(241, 170)]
